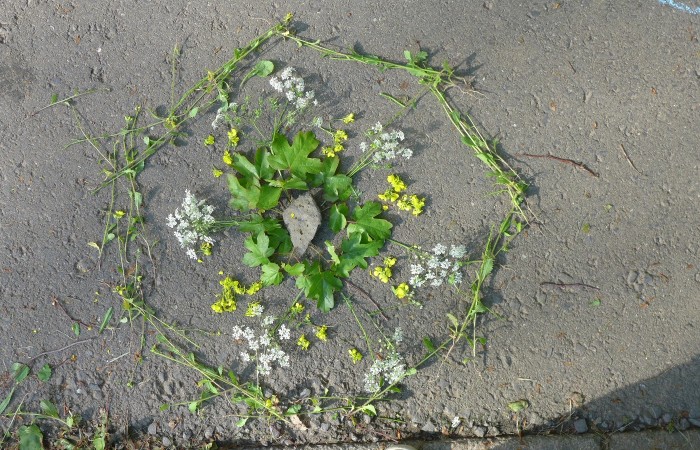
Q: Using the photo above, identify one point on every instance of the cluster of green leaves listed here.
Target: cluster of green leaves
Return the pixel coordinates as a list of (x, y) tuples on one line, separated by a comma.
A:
[(257, 185)]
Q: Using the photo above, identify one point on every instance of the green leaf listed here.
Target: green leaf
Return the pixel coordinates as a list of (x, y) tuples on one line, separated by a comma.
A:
[(356, 248), (192, 406), (164, 407), (295, 270), (193, 113), (48, 408), (241, 422), (19, 372), (76, 329), (485, 268), (295, 157), (370, 410), (106, 319), (30, 438), (292, 410), (6, 401), (320, 285), (337, 187), (44, 373), (243, 198), (271, 274), (453, 320), (54, 98), (366, 221), (428, 344), (518, 405), (331, 251), (338, 218), (262, 69), (259, 250), (269, 197)]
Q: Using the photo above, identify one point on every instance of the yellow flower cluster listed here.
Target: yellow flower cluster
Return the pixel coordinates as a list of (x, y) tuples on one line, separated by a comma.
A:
[(303, 342), (355, 355), (384, 273), (339, 137), (297, 308), (322, 333), (350, 118), (233, 137), (402, 290), (404, 202), (227, 158), (230, 288)]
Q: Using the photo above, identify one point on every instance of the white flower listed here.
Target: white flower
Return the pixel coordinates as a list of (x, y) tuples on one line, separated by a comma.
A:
[(439, 249), (317, 122), (191, 253), (456, 421), (457, 251), (283, 332), (268, 320), (245, 357)]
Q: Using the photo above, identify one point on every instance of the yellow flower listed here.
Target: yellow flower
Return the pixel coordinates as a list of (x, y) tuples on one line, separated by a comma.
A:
[(303, 342), (328, 151), (417, 204), (321, 333), (210, 75), (383, 273), (404, 203), (297, 308), (216, 172), (355, 355), (402, 290), (396, 183), (206, 248), (340, 136), (228, 160), (350, 118), (209, 140), (254, 288), (389, 196), (233, 137), (389, 261)]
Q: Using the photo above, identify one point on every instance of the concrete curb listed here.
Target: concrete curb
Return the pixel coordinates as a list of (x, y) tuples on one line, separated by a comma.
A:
[(662, 440)]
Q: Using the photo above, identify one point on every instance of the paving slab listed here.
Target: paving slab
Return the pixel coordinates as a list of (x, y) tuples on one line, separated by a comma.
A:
[(653, 440)]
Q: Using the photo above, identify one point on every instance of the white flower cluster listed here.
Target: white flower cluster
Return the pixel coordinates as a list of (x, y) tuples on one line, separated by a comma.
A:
[(261, 347), (385, 145), (192, 223), (439, 266), (385, 372), (293, 88)]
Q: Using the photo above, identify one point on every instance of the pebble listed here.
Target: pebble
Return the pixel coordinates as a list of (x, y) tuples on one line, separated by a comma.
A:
[(581, 426), (167, 442), (325, 427), (479, 431), (153, 429), (695, 422), (683, 424), (208, 433), (667, 418), (429, 427)]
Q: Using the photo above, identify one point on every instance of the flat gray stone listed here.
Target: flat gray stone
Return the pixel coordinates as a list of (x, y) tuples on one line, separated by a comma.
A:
[(581, 426), (302, 218)]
